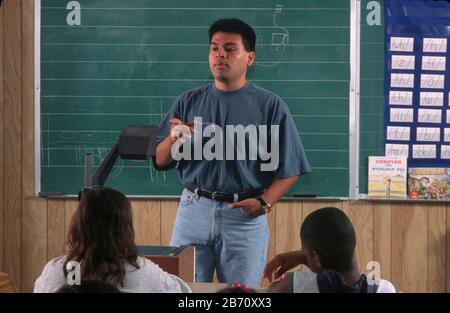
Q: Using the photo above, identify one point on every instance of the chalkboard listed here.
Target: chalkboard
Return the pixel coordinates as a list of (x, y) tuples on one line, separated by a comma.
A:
[(127, 61), (371, 86)]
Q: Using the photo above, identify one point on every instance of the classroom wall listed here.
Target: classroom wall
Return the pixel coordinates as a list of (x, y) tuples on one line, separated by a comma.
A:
[(411, 241)]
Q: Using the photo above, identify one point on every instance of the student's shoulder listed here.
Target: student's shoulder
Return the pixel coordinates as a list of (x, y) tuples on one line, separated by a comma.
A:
[(52, 276), (304, 281), (56, 262), (386, 286), (54, 265)]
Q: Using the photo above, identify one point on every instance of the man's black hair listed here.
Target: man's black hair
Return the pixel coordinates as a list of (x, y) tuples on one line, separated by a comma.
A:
[(235, 26), (330, 233)]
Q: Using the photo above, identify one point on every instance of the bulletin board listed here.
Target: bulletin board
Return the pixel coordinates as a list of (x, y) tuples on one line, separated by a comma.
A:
[(417, 112)]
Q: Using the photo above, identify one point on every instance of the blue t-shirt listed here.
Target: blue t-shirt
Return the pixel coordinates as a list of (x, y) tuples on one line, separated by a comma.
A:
[(252, 107)]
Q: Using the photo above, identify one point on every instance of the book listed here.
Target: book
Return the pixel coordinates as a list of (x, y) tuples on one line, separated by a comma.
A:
[(429, 183), (387, 177)]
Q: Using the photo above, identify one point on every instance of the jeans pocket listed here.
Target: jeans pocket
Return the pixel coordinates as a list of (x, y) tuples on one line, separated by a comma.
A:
[(186, 197)]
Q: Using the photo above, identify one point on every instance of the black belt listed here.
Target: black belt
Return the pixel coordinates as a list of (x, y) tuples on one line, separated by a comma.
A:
[(226, 197)]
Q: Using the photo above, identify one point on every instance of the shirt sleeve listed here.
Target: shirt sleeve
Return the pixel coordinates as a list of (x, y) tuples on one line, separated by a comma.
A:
[(52, 277), (151, 278), (386, 287), (304, 282), (292, 157)]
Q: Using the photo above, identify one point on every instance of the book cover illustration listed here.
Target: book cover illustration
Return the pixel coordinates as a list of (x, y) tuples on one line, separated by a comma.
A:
[(429, 183), (387, 177)]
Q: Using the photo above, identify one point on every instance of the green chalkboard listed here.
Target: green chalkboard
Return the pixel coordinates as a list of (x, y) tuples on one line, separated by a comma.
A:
[(127, 62), (371, 87)]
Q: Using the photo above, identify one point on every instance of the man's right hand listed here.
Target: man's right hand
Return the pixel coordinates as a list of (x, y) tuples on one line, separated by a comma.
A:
[(282, 263), (175, 122), (164, 148)]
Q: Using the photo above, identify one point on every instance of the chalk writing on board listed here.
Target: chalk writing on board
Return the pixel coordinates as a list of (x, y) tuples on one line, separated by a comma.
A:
[(273, 54), (279, 39)]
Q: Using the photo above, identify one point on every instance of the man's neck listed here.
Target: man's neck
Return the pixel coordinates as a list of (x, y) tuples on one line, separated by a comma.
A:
[(229, 86)]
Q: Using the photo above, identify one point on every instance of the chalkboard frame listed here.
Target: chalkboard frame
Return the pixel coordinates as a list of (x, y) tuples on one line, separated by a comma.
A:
[(353, 193)]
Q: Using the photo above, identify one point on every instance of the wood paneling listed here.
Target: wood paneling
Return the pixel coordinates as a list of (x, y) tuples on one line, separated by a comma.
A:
[(146, 222), (56, 236), (437, 233), (287, 223), (2, 122), (168, 215), (12, 167), (382, 234), (447, 257), (34, 210), (69, 209), (311, 206), (361, 215), (409, 247)]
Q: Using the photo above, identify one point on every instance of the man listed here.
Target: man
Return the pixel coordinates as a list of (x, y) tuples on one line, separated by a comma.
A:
[(222, 209)]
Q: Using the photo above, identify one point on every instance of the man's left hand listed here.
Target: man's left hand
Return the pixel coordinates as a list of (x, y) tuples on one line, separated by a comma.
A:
[(251, 207)]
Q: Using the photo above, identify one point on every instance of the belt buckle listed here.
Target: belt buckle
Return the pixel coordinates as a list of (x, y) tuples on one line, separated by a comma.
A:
[(213, 196)]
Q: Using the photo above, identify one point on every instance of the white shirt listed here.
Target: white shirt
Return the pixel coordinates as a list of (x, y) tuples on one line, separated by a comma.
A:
[(149, 277), (306, 282)]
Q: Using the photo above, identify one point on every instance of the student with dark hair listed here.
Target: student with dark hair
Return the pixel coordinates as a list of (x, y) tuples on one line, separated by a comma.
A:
[(328, 245), (222, 208), (101, 242)]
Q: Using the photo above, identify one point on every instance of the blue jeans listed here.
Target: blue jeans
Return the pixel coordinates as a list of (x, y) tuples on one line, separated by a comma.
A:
[(226, 240)]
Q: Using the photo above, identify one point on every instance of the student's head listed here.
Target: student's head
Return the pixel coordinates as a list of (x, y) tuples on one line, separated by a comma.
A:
[(232, 50), (328, 240), (89, 286), (101, 236)]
